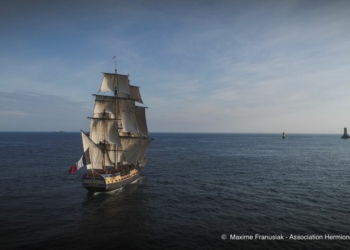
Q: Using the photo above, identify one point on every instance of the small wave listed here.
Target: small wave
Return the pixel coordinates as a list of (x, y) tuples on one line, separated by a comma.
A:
[(136, 181)]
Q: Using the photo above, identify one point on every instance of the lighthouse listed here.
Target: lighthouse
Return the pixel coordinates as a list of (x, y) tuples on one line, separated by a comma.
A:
[(345, 135)]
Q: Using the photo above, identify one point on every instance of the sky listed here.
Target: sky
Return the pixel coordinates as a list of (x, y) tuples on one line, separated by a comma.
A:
[(220, 66)]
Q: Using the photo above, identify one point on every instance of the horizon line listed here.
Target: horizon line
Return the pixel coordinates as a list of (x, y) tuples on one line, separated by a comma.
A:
[(182, 132)]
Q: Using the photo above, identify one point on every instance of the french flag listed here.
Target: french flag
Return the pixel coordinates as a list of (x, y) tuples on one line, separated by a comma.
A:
[(83, 161)]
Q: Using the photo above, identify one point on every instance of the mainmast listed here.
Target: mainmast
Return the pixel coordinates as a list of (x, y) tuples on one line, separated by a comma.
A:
[(115, 64), (116, 110)]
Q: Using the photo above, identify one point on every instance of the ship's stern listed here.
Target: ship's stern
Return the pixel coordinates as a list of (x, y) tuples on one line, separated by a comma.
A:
[(94, 183)]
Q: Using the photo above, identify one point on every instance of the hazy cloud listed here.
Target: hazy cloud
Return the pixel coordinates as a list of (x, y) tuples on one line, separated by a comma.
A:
[(25, 111), (203, 66)]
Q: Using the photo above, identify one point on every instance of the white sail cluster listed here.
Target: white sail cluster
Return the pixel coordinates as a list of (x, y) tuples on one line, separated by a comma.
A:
[(118, 127), (96, 155)]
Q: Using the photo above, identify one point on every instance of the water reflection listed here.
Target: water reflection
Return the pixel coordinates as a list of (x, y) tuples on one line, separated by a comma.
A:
[(115, 217)]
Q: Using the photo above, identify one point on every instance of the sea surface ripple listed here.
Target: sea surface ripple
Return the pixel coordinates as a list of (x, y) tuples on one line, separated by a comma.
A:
[(195, 188)]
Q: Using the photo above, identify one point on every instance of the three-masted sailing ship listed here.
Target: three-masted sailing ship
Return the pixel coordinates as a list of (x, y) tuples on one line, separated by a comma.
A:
[(115, 148)]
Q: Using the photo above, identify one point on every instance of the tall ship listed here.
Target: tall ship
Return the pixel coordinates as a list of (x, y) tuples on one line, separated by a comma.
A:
[(115, 148)]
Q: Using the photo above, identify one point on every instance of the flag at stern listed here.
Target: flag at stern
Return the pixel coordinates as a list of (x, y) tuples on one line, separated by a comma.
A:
[(83, 161)]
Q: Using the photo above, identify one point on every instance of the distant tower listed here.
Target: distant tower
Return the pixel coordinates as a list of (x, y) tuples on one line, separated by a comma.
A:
[(345, 135)]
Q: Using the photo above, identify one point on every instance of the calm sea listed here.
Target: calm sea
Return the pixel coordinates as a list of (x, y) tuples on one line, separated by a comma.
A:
[(196, 189)]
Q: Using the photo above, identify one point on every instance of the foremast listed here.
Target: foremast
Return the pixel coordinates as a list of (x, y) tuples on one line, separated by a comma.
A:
[(118, 127)]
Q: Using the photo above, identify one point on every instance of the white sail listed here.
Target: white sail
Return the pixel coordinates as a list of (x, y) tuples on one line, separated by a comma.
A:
[(96, 155), (104, 106), (140, 113), (112, 82), (135, 93), (104, 131), (130, 149), (111, 157), (127, 116), (108, 83), (123, 84), (142, 151)]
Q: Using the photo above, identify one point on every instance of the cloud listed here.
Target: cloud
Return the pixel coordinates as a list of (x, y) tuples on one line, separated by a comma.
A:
[(209, 66), (26, 111), (13, 113)]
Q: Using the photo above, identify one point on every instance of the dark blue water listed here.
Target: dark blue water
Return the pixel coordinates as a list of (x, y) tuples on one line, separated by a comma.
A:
[(195, 188)]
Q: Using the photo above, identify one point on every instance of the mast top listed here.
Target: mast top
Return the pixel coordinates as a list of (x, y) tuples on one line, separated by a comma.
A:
[(115, 64)]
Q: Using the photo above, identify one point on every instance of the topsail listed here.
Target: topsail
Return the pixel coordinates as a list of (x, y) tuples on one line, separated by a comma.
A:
[(115, 82)]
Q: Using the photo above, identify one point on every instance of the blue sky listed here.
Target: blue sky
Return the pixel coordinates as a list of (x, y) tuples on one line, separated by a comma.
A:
[(203, 66)]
